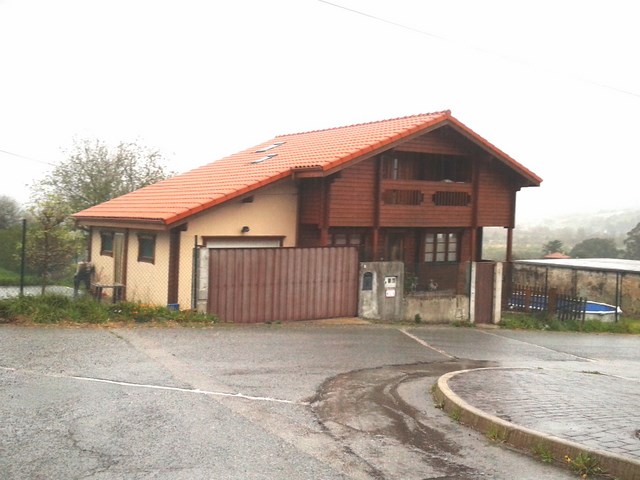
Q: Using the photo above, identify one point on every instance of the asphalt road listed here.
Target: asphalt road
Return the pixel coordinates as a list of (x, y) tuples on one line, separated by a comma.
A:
[(296, 401)]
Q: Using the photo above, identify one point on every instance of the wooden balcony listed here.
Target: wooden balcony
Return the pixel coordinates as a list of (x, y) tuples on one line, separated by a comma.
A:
[(415, 203)]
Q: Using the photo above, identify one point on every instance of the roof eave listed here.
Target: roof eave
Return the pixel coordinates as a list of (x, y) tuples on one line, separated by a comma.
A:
[(120, 222), (531, 178)]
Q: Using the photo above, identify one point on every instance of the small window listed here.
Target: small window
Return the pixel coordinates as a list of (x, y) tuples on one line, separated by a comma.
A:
[(441, 247), (106, 243), (265, 158), (270, 147), (146, 248), (367, 281), (339, 239), (355, 239)]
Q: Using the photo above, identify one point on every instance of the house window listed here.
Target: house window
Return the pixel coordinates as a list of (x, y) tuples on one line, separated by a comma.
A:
[(342, 239), (106, 243), (433, 167), (447, 168), (349, 238), (146, 248), (441, 247)]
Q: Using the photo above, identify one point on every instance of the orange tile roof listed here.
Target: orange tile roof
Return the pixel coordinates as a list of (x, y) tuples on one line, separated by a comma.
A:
[(179, 197)]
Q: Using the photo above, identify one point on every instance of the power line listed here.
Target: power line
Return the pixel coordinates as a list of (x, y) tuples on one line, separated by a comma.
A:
[(472, 47), (27, 158)]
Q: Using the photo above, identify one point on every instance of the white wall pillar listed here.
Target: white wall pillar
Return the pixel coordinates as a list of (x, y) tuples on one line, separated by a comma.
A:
[(497, 292)]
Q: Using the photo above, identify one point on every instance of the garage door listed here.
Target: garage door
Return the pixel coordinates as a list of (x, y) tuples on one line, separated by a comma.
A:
[(251, 285)]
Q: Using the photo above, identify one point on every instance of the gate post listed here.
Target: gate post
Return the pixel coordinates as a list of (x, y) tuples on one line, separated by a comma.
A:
[(381, 290), (202, 275), (497, 293), (472, 292)]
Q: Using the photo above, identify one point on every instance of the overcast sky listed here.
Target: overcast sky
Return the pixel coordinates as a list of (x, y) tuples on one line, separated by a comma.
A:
[(555, 84)]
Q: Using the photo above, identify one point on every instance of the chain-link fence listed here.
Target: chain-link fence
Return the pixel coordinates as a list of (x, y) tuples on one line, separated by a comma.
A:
[(31, 263), (609, 292)]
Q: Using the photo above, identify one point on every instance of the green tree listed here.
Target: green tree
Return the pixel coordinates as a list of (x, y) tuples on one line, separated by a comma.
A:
[(10, 238), (552, 246), (94, 173), (596, 248), (51, 243), (10, 212), (632, 243)]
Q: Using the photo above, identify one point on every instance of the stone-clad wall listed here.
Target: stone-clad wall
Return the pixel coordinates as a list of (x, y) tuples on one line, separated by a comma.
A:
[(595, 285)]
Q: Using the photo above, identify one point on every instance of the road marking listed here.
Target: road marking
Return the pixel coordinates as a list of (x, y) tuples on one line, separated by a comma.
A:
[(539, 346), (158, 387), (425, 344), (190, 390)]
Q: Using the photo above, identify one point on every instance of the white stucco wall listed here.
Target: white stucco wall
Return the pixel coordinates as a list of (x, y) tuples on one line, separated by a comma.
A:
[(272, 213)]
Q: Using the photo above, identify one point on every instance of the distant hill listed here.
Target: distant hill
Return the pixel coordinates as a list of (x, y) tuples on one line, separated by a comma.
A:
[(530, 235), (605, 223)]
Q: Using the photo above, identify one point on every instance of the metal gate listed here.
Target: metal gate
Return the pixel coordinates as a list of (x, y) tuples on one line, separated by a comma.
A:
[(485, 278), (249, 285)]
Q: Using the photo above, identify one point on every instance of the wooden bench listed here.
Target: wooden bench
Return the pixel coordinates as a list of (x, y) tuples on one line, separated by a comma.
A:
[(117, 293)]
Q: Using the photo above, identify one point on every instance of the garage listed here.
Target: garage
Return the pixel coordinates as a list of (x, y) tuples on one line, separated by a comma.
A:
[(250, 285)]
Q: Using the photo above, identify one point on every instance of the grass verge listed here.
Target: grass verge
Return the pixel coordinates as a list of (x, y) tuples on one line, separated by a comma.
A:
[(60, 309), (523, 321), (9, 279)]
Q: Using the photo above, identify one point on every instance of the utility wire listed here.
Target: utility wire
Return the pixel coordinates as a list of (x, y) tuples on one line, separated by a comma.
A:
[(27, 158), (471, 47)]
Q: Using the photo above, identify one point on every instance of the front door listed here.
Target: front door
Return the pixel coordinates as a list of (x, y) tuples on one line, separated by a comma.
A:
[(485, 279), (118, 257), (395, 247)]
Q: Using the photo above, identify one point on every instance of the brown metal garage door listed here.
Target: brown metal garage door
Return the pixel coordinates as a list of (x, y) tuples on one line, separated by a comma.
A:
[(282, 284)]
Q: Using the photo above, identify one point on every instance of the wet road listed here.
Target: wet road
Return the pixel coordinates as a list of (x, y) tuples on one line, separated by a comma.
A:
[(263, 402)]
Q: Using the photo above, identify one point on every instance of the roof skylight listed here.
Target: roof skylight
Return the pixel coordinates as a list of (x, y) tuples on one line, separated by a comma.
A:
[(266, 157), (270, 147)]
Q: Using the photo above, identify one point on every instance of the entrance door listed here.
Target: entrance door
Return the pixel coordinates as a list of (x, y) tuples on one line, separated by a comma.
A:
[(485, 279), (118, 257), (395, 247)]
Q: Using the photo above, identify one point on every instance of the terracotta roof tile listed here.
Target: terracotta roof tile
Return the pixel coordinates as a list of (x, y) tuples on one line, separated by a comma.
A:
[(178, 197)]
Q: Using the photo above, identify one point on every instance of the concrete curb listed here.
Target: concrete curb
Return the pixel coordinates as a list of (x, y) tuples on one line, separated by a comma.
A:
[(523, 438)]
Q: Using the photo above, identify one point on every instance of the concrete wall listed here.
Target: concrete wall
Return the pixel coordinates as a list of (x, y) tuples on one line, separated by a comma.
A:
[(432, 307), (436, 308)]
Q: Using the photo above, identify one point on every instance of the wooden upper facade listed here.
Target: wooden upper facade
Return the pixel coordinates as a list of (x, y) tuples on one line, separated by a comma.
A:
[(436, 182)]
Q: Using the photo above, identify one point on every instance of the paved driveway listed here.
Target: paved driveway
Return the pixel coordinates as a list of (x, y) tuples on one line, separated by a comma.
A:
[(296, 401)]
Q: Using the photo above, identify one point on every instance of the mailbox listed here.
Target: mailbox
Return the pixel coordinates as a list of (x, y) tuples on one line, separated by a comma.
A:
[(390, 285), (381, 290)]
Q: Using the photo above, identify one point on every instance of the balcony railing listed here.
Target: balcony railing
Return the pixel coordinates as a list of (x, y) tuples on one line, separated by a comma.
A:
[(416, 192)]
